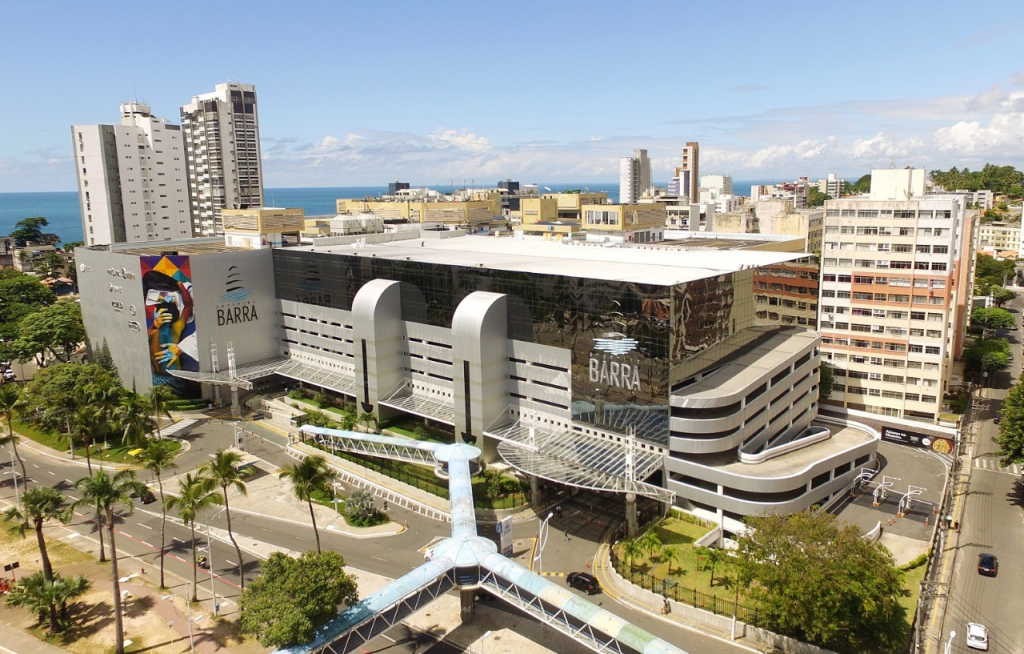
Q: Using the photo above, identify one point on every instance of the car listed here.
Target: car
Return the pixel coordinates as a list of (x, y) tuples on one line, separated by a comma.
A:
[(583, 581), (146, 496), (999, 418), (988, 565), (977, 636), (9, 375)]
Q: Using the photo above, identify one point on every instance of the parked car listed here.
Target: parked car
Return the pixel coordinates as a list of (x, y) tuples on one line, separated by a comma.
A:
[(988, 565), (146, 496), (977, 636), (583, 581)]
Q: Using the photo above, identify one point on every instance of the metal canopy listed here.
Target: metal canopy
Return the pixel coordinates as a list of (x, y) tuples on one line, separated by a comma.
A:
[(405, 398), (578, 459), (338, 380)]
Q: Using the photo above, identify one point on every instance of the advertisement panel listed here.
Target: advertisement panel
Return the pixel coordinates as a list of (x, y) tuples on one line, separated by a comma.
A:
[(505, 533), (914, 439), (170, 319)]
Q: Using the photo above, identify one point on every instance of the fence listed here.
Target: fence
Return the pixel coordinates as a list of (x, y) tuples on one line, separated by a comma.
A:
[(704, 601)]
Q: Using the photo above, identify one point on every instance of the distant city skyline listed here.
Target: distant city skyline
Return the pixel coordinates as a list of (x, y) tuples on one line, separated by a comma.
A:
[(363, 93)]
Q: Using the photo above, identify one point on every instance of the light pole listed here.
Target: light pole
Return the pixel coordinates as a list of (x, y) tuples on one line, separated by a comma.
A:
[(542, 540), (14, 477), (483, 639), (209, 549), (949, 643)]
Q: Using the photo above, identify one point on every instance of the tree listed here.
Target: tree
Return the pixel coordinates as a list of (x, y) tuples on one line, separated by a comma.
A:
[(55, 394), (990, 273), (987, 355), (651, 543), (1006, 180), (1002, 295), (158, 395), (31, 229), (631, 550), (292, 598), (369, 421), (105, 360), (38, 505), (48, 598), (109, 493), (816, 198), (822, 582), (992, 318), (862, 185), (10, 402), (224, 472), (20, 295), (359, 507), (195, 495), (157, 457), (826, 381), (134, 419), (308, 477), (671, 554), (712, 557), (86, 422), (57, 329)]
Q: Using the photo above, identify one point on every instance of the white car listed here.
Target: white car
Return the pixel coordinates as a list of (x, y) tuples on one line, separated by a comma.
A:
[(977, 636)]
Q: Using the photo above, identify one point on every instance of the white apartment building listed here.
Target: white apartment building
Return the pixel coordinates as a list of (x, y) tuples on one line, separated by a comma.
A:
[(634, 177), (896, 279), (222, 143), (132, 184), (832, 186), (999, 236), (717, 184)]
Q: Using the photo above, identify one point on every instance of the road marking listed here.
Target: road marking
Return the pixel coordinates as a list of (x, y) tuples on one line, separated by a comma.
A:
[(388, 638), (68, 481), (230, 562), (35, 466), (51, 472), (177, 540), (147, 545), (146, 526), (378, 558)]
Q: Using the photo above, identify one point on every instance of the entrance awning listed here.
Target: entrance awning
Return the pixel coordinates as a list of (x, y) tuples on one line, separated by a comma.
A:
[(338, 380), (405, 398)]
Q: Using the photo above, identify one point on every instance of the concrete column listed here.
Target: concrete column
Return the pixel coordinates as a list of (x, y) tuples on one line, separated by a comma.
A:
[(536, 497), (631, 526), (468, 600), (236, 409)]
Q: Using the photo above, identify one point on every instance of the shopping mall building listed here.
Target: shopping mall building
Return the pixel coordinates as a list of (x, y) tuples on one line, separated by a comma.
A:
[(685, 375)]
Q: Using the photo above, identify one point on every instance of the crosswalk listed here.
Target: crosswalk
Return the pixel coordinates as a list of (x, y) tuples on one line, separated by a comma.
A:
[(986, 463)]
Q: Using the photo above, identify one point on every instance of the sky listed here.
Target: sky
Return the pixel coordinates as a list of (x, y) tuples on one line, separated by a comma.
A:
[(363, 93)]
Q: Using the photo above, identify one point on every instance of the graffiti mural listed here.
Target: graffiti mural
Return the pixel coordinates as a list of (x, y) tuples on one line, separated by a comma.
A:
[(170, 319)]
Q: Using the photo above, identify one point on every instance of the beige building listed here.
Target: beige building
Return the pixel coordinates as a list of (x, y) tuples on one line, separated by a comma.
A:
[(261, 227), (570, 205), (418, 211), (624, 223), (998, 236)]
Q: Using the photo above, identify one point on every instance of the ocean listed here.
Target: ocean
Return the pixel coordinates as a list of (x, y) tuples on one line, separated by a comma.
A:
[(61, 208)]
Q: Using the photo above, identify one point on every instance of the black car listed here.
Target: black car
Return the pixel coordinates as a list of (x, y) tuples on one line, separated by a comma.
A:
[(988, 565), (146, 496), (583, 581)]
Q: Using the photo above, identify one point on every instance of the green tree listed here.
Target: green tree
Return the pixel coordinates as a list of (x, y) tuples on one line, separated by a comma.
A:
[(10, 402), (134, 419), (157, 396), (1002, 295), (823, 582), (309, 476), (816, 198), (49, 598), (992, 318), (109, 493), (292, 598), (826, 381), (711, 558), (670, 554), (359, 507), (369, 421), (57, 329), (38, 505), (157, 457), (651, 543), (990, 273), (105, 360), (987, 355), (20, 295), (86, 422), (224, 472), (55, 394), (861, 186), (31, 229), (631, 551), (195, 494)]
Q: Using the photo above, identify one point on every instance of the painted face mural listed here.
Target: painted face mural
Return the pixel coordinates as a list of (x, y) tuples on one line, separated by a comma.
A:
[(170, 321)]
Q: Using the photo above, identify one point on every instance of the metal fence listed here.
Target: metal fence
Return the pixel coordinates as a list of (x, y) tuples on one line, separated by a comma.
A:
[(704, 601)]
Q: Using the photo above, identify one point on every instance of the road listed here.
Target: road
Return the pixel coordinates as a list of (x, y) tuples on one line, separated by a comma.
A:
[(139, 537), (991, 522)]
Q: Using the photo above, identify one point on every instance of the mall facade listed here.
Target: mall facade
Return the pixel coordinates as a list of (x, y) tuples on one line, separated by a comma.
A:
[(688, 376)]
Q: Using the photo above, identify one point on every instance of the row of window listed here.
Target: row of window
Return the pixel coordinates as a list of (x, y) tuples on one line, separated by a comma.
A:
[(885, 264), (876, 392), (883, 313), (902, 214), (917, 282), (886, 231)]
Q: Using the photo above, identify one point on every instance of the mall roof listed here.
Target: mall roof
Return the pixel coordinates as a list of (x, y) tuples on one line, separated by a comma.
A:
[(629, 263)]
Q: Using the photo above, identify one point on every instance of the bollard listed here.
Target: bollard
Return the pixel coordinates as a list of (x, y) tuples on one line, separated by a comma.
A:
[(926, 520)]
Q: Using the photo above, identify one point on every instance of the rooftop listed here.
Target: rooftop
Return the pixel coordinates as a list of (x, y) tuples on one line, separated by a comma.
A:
[(211, 245), (638, 264)]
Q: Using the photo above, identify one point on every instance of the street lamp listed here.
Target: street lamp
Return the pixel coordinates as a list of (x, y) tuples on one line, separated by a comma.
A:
[(949, 643), (209, 549), (14, 477), (542, 540)]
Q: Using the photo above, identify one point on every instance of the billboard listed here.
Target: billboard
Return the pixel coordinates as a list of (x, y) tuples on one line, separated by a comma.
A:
[(914, 439), (170, 319)]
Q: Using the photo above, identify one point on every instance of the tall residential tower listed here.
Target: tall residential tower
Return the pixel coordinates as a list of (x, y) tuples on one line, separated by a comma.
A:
[(222, 142), (689, 173), (634, 177), (131, 179)]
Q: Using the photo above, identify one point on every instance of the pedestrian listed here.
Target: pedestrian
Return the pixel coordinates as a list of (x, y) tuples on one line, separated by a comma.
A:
[(565, 535), (667, 608), (385, 505)]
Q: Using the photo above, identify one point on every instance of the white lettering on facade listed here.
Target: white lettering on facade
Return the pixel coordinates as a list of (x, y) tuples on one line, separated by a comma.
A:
[(614, 373)]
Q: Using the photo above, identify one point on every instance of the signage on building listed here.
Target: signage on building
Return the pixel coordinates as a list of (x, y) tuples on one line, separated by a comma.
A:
[(123, 273), (606, 369), (504, 529), (237, 308), (914, 439)]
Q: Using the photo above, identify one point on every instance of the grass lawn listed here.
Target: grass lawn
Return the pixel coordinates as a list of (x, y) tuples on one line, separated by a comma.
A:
[(114, 453)]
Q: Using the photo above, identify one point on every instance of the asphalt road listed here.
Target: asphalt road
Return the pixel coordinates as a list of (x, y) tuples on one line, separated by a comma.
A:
[(139, 537)]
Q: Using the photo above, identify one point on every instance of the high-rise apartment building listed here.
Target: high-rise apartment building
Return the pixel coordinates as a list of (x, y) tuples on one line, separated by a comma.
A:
[(222, 143), (896, 281), (689, 172), (634, 177), (131, 179), (832, 186), (717, 184)]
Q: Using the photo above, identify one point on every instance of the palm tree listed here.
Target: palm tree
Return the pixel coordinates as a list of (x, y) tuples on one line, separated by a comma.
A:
[(10, 397), (309, 476), (158, 395), (157, 457), (369, 420), (48, 598), (108, 493), (631, 549), (85, 423), (39, 504), (650, 543), (195, 495), (671, 554), (224, 472), (134, 419)]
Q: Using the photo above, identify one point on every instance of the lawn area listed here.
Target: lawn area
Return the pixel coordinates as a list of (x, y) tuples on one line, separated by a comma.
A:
[(113, 453)]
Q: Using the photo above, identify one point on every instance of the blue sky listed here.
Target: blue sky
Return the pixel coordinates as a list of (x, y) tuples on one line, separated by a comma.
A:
[(360, 93)]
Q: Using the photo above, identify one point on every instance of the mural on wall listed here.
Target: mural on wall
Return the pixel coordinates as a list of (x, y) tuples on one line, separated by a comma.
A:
[(170, 319)]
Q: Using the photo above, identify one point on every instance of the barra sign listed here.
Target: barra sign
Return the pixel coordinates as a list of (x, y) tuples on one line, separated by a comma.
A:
[(914, 439), (604, 369)]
